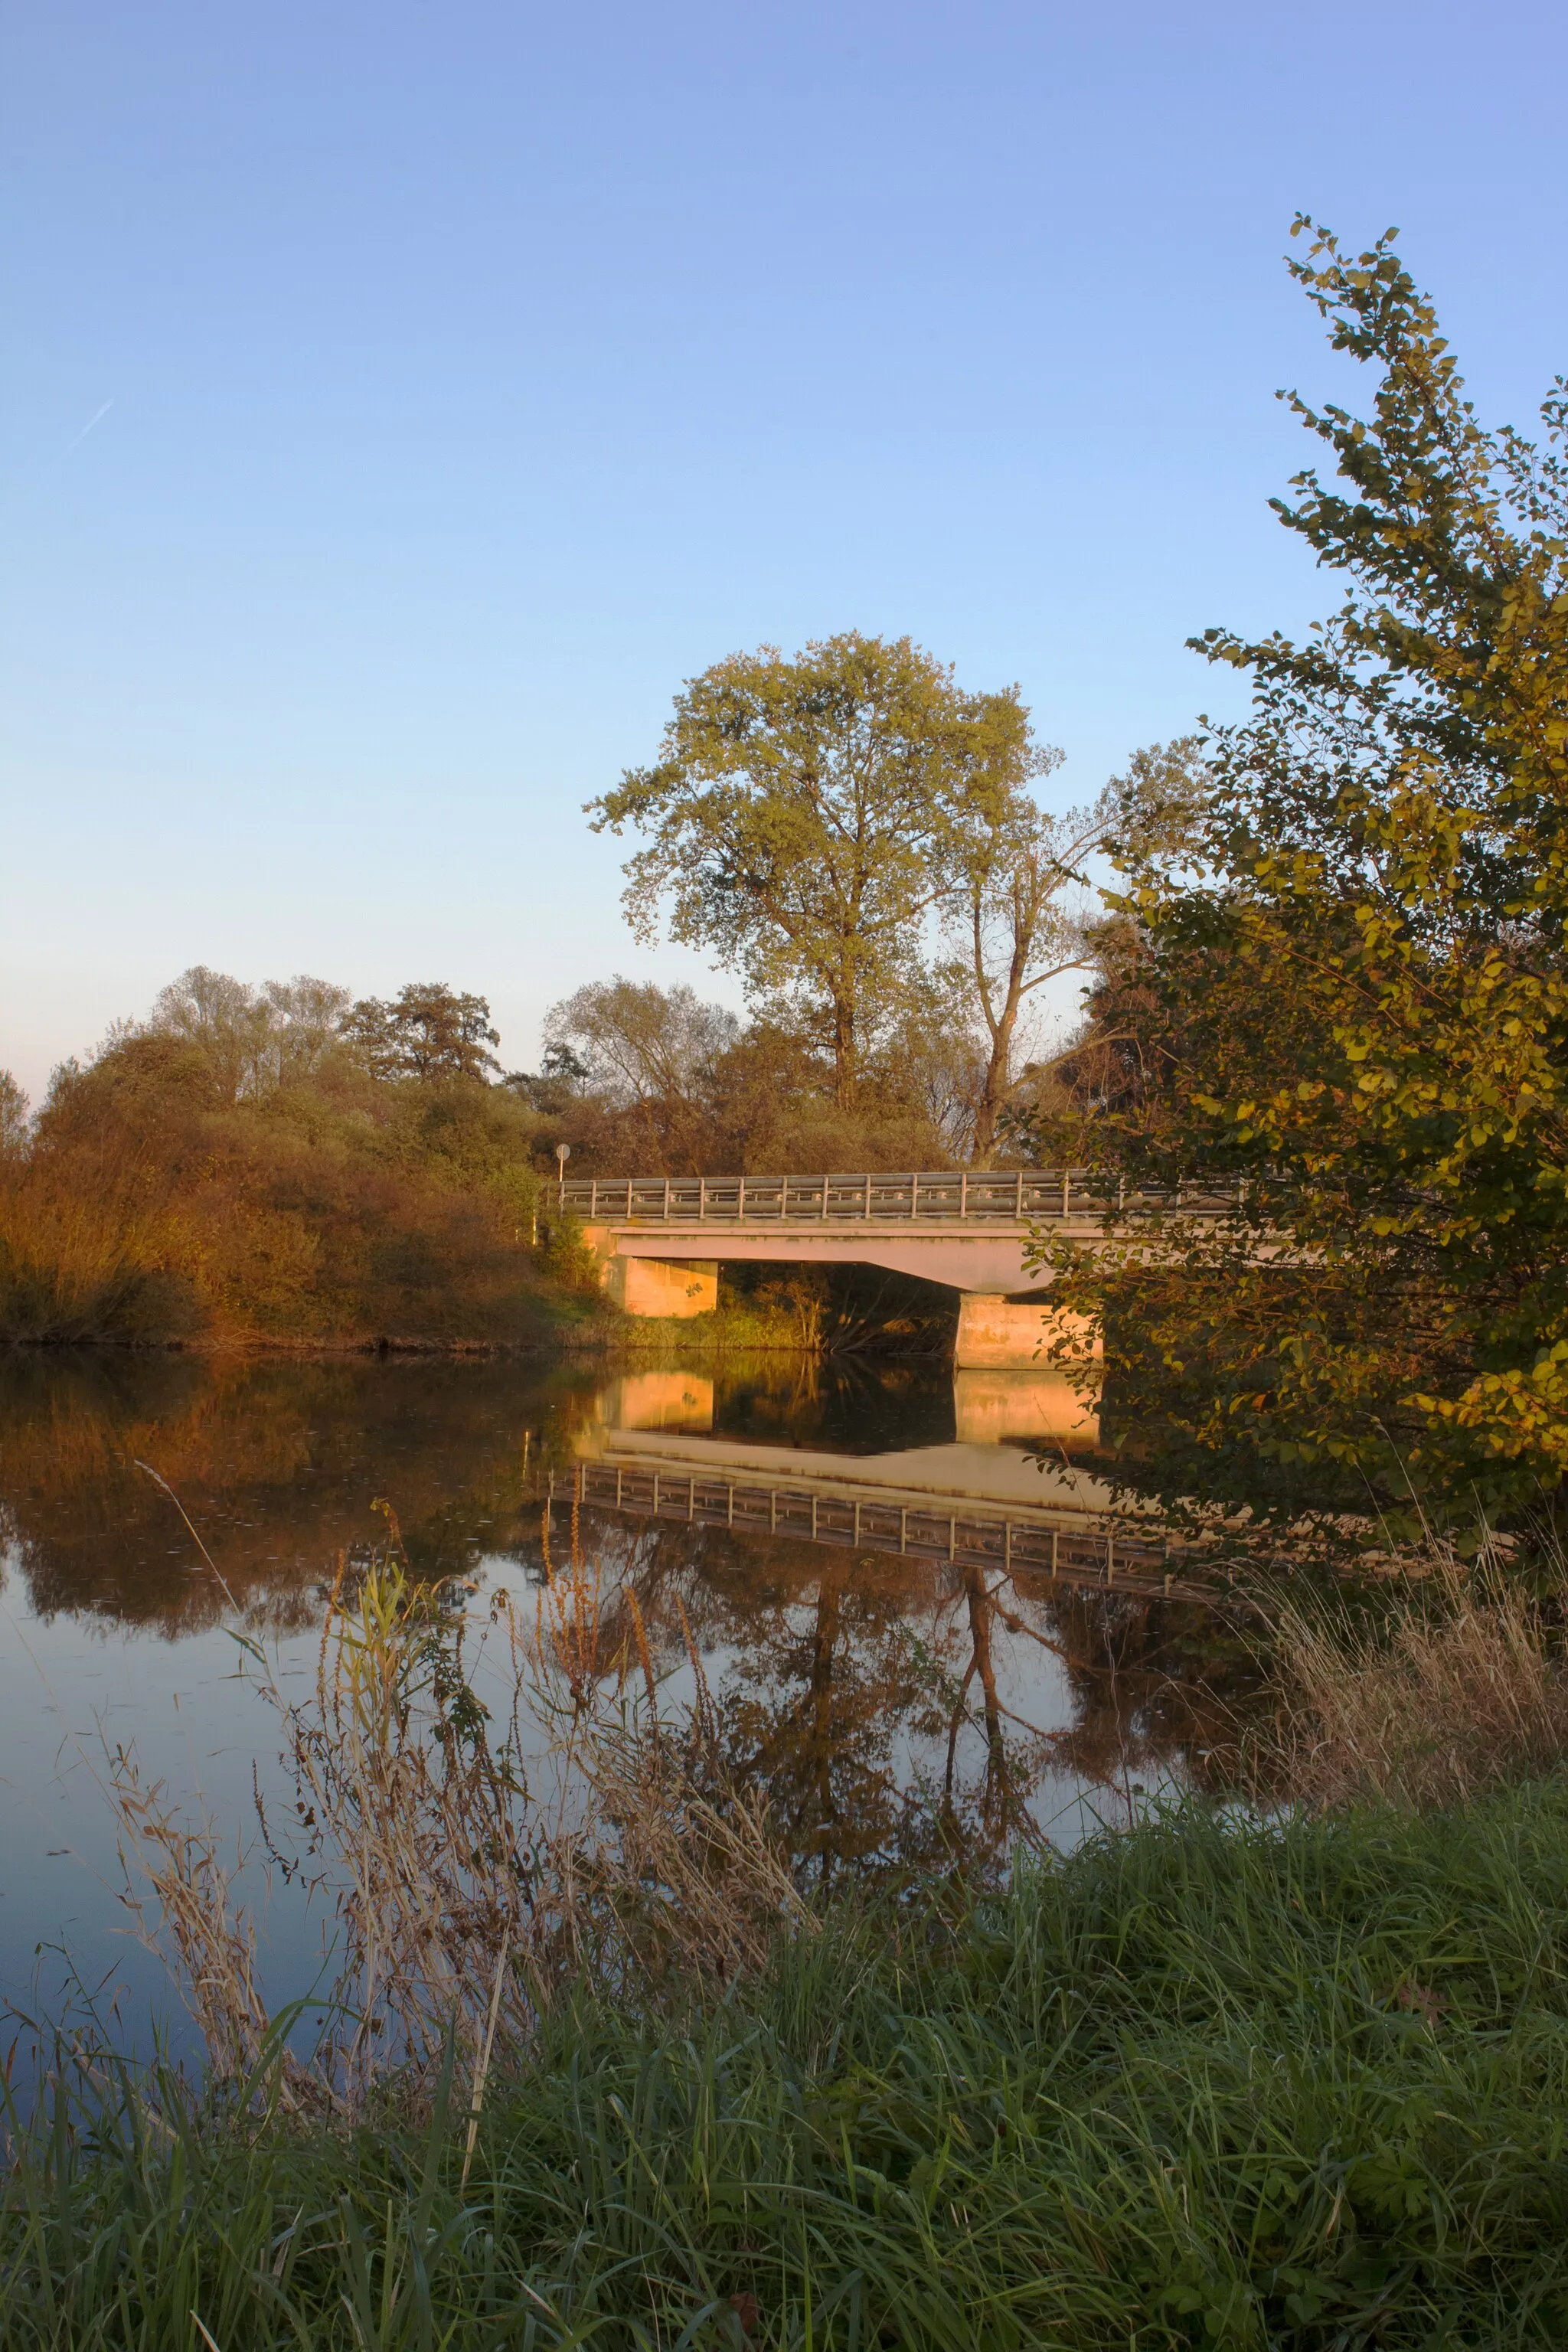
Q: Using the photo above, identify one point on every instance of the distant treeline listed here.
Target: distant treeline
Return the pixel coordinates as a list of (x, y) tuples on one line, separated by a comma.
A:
[(635, 1077), (288, 1164), (283, 1164)]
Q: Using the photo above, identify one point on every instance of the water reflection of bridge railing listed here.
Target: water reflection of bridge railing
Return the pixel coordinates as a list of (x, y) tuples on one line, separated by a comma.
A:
[(937, 1196), (956, 1537)]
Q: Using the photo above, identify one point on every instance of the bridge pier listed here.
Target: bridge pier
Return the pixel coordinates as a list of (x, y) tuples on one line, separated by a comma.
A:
[(663, 1286), (997, 1333)]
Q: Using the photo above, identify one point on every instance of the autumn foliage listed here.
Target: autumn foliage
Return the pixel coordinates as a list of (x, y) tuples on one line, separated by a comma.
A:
[(1346, 982), (190, 1185)]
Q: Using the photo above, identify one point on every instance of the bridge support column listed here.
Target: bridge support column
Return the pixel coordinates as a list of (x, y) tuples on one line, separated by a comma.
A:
[(663, 1286), (996, 1333)]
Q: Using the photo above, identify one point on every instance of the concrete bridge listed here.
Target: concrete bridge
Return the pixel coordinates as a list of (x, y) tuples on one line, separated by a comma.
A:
[(661, 1240)]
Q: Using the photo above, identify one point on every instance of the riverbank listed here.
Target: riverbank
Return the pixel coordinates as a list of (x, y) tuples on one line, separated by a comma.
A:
[(599, 1333), (576, 1325), (1201, 2083)]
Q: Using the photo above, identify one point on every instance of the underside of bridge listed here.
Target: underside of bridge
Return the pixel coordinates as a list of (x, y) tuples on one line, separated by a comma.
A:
[(1004, 1317)]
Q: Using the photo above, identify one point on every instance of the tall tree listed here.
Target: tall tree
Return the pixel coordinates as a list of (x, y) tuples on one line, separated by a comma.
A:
[(640, 1042), (426, 1031), (15, 1123), (796, 816), (222, 1017), (648, 1060), (1354, 986), (1018, 928), (1022, 909), (305, 1026), (251, 1040)]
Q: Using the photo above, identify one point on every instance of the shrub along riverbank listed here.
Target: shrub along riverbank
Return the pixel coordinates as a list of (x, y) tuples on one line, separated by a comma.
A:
[(337, 1208), (1200, 2083)]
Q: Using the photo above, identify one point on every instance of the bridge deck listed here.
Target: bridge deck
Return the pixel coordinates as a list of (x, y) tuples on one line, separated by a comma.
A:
[(944, 1197)]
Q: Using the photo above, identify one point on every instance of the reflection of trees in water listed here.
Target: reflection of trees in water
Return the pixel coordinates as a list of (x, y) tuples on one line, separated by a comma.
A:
[(814, 1708), (873, 1698), (999, 1806), (1154, 1679), (277, 1464)]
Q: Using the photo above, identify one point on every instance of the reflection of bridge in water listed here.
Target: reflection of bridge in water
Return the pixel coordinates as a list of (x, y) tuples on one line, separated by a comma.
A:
[(660, 1239), (977, 1502)]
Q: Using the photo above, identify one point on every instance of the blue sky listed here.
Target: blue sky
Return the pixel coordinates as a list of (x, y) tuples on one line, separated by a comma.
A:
[(474, 372)]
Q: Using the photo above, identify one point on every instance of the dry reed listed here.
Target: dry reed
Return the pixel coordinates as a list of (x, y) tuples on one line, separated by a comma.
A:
[(1459, 1685), (214, 1943), (471, 1858)]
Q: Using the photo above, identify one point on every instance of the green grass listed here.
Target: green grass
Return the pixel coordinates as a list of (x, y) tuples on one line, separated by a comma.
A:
[(1197, 2086), (737, 1327)]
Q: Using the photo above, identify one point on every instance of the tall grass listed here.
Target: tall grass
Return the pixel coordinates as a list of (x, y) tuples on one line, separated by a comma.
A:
[(1458, 1682), (475, 1853), (1199, 2084)]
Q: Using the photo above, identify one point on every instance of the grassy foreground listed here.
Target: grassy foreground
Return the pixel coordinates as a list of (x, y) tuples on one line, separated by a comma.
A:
[(1197, 2086)]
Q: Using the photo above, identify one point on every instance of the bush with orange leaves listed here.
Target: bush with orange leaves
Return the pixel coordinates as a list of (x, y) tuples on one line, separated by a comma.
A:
[(153, 1202)]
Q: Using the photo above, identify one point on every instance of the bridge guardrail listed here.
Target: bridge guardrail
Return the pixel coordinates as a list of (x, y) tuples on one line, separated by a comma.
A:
[(962, 1536), (934, 1196)]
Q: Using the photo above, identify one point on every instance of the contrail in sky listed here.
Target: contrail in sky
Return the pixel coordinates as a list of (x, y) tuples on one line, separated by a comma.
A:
[(87, 428)]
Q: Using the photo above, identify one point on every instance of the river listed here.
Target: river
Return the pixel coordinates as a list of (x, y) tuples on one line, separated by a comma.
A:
[(894, 1580)]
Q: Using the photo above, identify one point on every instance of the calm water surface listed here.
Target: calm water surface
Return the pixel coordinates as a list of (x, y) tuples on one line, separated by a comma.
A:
[(871, 1695)]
